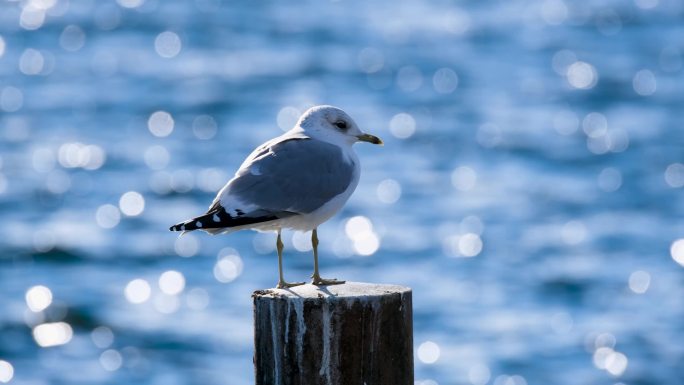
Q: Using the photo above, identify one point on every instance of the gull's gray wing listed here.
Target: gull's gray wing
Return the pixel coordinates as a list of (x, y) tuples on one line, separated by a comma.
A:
[(286, 176), (295, 174)]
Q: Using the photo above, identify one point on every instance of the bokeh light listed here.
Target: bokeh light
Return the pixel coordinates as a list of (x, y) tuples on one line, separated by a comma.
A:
[(644, 83), (72, 38), (167, 44), (32, 17), (428, 352), (52, 334), (31, 62), (595, 125), (445, 81), (582, 75), (160, 124), (469, 245), (360, 230), (674, 175), (111, 360), (603, 340), (639, 281), (186, 245), (38, 298), (44, 241), (463, 245), (204, 127), (611, 361), (677, 251), (80, 155), (610, 179), (617, 140), (287, 117), (132, 203), (389, 191), (11, 99), (402, 125), (6, 372), (228, 267), (172, 282), (102, 337), (137, 291), (107, 216)]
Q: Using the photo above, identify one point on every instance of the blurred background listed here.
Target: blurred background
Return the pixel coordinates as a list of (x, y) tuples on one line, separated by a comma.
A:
[(530, 188)]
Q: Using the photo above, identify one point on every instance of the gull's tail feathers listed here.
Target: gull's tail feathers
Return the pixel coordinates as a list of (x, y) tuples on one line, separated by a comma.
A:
[(218, 220)]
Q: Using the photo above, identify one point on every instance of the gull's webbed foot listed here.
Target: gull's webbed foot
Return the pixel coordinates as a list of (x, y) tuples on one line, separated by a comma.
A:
[(286, 285), (318, 281)]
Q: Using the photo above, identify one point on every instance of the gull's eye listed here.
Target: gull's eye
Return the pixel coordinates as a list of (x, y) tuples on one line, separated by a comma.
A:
[(341, 124)]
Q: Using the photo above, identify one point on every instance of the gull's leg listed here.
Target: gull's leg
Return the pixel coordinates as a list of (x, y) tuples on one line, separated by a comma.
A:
[(317, 280), (281, 282)]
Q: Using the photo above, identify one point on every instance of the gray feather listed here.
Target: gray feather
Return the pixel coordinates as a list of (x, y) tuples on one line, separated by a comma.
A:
[(296, 175)]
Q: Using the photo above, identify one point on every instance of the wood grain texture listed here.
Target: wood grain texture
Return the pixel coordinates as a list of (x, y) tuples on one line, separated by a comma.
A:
[(354, 333)]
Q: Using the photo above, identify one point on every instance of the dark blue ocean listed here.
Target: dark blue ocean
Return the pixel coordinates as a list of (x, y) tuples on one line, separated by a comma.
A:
[(529, 190)]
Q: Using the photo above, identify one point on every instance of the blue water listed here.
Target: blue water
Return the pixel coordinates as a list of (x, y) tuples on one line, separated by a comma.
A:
[(530, 188)]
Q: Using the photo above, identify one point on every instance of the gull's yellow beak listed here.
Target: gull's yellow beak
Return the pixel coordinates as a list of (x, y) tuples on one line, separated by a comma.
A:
[(370, 139)]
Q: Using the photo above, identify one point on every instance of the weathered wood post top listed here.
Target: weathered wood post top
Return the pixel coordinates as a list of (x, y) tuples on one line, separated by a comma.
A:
[(353, 333)]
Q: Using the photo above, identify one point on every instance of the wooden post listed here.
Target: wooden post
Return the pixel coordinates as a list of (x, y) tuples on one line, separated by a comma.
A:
[(354, 333)]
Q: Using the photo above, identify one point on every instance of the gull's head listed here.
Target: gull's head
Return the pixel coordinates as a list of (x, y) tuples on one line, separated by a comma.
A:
[(331, 124)]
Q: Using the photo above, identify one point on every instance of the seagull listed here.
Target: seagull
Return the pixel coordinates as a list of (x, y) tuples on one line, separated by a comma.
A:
[(295, 181)]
